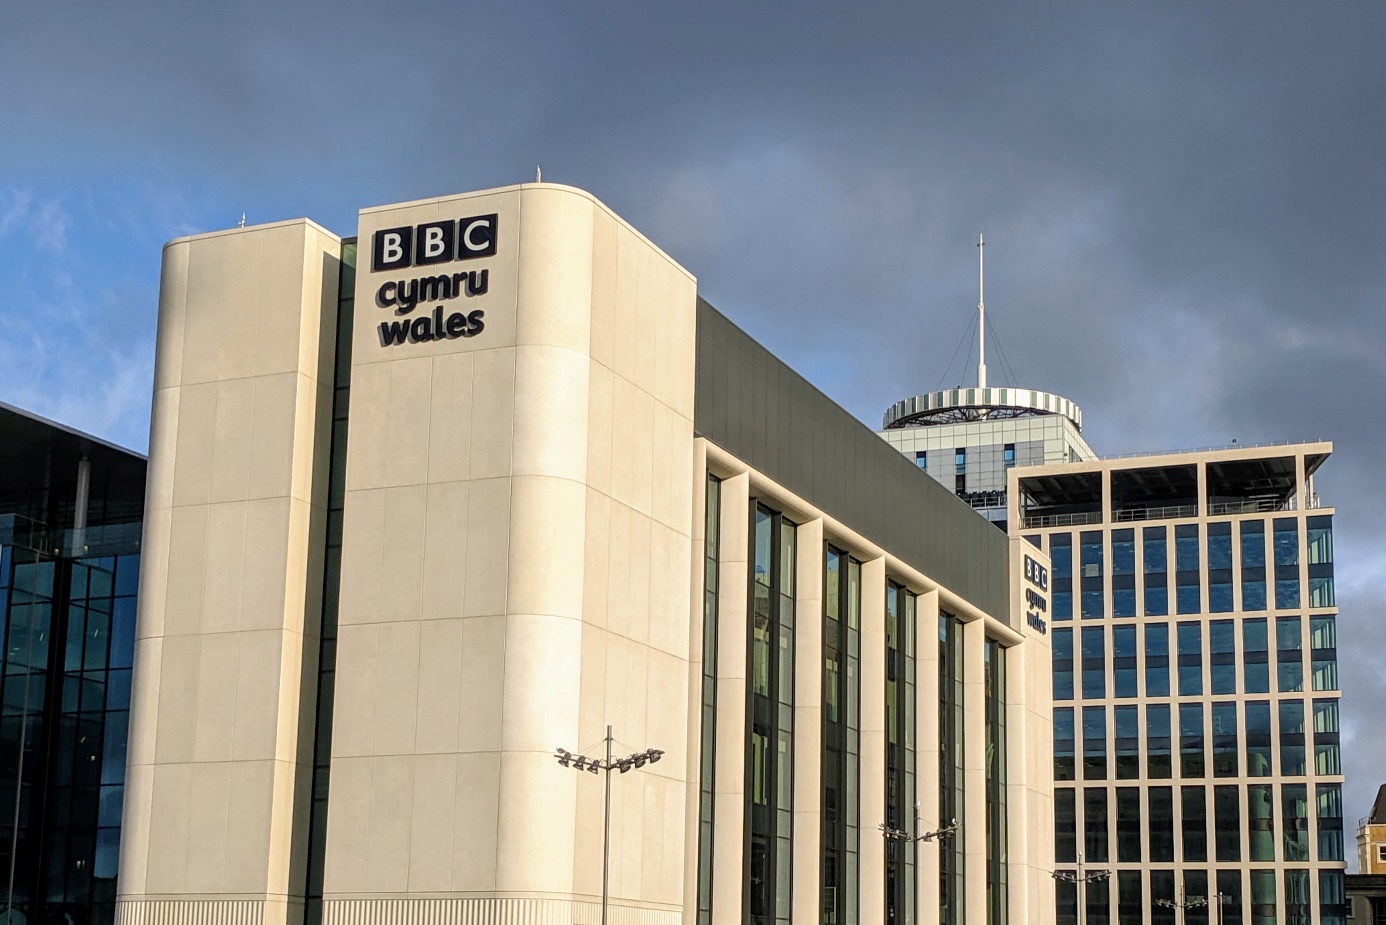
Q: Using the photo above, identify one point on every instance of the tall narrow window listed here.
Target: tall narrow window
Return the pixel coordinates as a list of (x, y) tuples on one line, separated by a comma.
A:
[(900, 767), (1327, 751), (1126, 728), (997, 889), (1124, 661), (708, 736), (1190, 659), (1323, 653), (1286, 543), (1094, 663), (1160, 802), (1319, 544), (1157, 660), (1061, 652), (1329, 798), (1156, 556), (1220, 568), (1063, 743), (1227, 823), (1095, 824), (1065, 825), (952, 896), (841, 735), (1091, 561), (1255, 657), (1295, 821), (1292, 763), (769, 765), (1222, 656), (1296, 897), (1158, 741), (1195, 823), (1225, 739), (1258, 739), (1186, 575), (1094, 743), (1289, 654), (1260, 821), (1252, 539), (1128, 824), (1230, 886), (1124, 573), (1191, 740), (1061, 571)]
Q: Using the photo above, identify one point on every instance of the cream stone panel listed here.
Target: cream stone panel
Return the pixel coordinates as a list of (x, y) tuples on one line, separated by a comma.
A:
[(547, 533), (535, 796), (482, 684), (270, 469), (170, 804), (175, 723), (873, 738), (477, 808), (221, 592), (168, 342), (555, 277), (231, 451), (449, 423), (395, 696), (596, 583), (493, 405), (368, 455), (550, 430), (541, 683), (439, 707), (257, 699), (348, 812), (186, 552), (264, 563), (362, 567), (208, 814), (605, 275), (391, 814), (402, 559), (196, 441), (732, 621), (808, 723), (432, 832)]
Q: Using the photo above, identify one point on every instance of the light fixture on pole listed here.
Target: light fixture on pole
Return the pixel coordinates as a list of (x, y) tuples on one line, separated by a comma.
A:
[(1078, 878), (1184, 902), (901, 835), (594, 765)]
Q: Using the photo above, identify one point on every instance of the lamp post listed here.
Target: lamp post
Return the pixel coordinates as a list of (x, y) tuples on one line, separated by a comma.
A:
[(1183, 903), (1079, 878), (592, 766), (901, 835)]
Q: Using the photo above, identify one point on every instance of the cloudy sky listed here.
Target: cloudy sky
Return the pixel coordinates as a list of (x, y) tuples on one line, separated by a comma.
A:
[(1183, 202)]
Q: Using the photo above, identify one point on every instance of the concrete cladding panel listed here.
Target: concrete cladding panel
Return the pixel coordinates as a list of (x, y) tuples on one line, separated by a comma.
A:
[(216, 767), (758, 409), (515, 563)]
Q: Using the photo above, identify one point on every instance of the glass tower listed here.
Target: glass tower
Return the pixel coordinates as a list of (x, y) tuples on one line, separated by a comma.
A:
[(1195, 683)]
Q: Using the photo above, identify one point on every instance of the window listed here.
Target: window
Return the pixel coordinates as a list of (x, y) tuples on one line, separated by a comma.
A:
[(1220, 568), (1124, 661), (995, 751), (1224, 740), (1128, 824), (951, 787), (1191, 740), (1061, 571), (1156, 557), (1295, 805), (1252, 536), (1094, 743), (901, 881), (1289, 654), (1186, 577), (1263, 897), (1160, 803), (921, 459), (1065, 825), (841, 764), (707, 763), (1227, 823), (1327, 755), (1323, 653), (1286, 543), (1319, 543), (1162, 892), (1195, 823), (1230, 886), (1063, 743), (1090, 550), (1008, 455), (1095, 824), (1329, 798), (1061, 652), (1222, 656), (1126, 723), (1255, 658), (1157, 660), (1260, 822), (1130, 904), (1190, 659), (1381, 854), (1292, 738), (1094, 663), (1258, 739), (1123, 573), (1157, 740), (1296, 897), (960, 470)]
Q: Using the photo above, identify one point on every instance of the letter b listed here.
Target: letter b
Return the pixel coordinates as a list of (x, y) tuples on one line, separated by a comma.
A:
[(390, 248), (434, 243)]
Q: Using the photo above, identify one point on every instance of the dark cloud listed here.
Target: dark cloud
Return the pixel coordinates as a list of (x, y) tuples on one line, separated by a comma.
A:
[(1182, 201)]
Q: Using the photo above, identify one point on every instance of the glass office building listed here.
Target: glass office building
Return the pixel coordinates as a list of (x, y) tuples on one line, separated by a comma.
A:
[(71, 507), (1195, 683)]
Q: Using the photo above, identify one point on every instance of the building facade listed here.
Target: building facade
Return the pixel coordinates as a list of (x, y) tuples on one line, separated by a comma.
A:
[(1371, 837), (1196, 722), (424, 524), (70, 509)]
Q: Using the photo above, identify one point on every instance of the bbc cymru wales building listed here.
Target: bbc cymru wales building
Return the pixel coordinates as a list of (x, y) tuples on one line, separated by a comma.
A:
[(419, 520)]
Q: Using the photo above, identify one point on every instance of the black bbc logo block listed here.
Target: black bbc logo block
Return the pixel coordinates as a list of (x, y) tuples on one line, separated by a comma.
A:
[(476, 236), (392, 248), (433, 243)]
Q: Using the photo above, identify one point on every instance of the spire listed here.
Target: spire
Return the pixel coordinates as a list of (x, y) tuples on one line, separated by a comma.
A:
[(981, 315)]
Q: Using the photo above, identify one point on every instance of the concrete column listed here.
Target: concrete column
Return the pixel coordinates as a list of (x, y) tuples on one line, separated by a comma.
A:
[(692, 792), (974, 834), (871, 811), (808, 723), (926, 753), (729, 811)]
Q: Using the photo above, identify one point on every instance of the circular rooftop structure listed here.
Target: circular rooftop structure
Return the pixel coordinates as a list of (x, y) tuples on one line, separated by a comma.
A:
[(954, 406)]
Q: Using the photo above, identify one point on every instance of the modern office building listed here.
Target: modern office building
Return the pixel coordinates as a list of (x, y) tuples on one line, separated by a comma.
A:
[(421, 528), (1196, 724), (70, 509)]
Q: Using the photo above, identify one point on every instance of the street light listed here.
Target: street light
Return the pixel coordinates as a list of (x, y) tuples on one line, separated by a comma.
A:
[(1183, 903), (593, 765), (1079, 878), (902, 835)]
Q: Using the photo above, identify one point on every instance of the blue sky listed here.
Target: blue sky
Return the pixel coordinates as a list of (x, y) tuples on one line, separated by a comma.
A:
[(1182, 201)]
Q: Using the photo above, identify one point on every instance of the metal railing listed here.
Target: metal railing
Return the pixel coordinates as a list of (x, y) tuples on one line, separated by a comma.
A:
[(1171, 512), (1251, 506), (1209, 449), (1062, 520)]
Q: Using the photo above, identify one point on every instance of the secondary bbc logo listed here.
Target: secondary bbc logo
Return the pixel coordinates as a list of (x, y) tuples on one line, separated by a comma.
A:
[(434, 242)]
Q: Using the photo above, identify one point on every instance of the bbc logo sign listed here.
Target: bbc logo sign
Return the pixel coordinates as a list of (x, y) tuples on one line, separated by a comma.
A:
[(434, 242)]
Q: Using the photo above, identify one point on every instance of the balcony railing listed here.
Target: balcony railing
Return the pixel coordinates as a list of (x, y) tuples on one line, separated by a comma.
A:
[(1062, 520), (1171, 512)]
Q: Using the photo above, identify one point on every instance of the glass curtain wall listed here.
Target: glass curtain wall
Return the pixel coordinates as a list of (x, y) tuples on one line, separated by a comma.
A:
[(900, 857), (841, 736), (707, 744), (770, 708), (952, 896)]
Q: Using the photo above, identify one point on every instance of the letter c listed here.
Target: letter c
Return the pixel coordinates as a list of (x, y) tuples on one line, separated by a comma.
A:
[(386, 296), (474, 245)]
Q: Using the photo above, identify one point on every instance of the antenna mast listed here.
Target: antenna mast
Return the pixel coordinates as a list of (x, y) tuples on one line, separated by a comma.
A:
[(981, 315)]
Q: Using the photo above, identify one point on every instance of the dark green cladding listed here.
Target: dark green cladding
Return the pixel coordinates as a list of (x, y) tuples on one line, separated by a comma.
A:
[(759, 410)]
